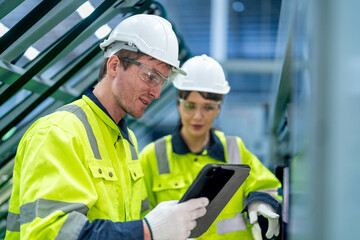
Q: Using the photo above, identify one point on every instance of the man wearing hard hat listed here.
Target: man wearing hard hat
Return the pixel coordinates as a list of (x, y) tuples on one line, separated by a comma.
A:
[(77, 173), (172, 163)]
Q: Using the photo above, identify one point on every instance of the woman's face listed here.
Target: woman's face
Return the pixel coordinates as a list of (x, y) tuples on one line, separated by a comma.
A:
[(197, 114)]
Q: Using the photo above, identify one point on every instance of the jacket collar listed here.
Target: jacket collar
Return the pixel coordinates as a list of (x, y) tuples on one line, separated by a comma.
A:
[(121, 124), (214, 149)]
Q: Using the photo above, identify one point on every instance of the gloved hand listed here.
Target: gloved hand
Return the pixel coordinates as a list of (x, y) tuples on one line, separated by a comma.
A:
[(257, 208), (170, 220)]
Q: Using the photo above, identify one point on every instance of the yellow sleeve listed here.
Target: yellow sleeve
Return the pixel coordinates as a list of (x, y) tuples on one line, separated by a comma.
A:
[(53, 184), (261, 178)]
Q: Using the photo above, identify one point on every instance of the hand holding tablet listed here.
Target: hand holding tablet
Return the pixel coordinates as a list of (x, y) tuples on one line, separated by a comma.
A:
[(218, 183)]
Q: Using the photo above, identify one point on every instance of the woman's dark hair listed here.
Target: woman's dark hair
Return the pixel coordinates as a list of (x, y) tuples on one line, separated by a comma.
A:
[(123, 53), (210, 96)]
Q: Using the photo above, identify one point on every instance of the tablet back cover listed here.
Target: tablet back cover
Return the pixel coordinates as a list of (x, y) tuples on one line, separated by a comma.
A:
[(241, 172)]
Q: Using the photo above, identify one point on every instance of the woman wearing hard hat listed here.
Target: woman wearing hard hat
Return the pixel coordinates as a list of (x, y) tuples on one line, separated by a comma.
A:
[(171, 163)]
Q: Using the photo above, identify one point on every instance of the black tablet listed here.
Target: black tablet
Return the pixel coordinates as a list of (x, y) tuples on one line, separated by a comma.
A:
[(217, 182)]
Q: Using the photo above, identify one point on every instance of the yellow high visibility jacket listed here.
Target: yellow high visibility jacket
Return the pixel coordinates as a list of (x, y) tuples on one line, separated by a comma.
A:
[(74, 166), (168, 174)]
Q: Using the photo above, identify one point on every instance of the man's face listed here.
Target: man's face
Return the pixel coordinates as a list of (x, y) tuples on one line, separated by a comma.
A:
[(132, 94)]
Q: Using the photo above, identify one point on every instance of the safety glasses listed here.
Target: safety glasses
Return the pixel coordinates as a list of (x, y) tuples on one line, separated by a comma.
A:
[(206, 109), (149, 75)]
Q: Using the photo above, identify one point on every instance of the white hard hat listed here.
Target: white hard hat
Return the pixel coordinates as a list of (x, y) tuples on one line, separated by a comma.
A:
[(204, 74), (151, 34)]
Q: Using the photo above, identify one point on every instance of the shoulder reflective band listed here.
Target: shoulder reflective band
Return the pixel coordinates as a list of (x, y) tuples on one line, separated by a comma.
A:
[(81, 115), (233, 151), (161, 156)]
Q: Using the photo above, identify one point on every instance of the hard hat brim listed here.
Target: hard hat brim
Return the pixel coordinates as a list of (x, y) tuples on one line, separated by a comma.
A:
[(178, 70)]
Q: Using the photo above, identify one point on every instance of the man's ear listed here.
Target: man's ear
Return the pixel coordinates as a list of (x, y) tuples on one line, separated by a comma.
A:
[(113, 65)]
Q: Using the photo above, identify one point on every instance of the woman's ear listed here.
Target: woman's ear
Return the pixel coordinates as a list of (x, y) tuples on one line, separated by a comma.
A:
[(218, 111)]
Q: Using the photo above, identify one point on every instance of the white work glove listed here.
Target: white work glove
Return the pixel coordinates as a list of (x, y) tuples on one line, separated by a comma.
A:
[(257, 208), (170, 220)]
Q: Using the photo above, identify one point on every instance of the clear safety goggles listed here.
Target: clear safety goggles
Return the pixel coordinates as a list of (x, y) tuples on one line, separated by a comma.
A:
[(206, 109), (149, 75)]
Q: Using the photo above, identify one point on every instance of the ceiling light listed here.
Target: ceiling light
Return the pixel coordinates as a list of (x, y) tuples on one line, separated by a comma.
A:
[(3, 29), (85, 10), (31, 53), (103, 31)]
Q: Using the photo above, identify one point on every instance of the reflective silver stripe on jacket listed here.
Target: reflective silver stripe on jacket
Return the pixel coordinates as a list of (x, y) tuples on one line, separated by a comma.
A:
[(134, 155), (72, 226), (233, 152), (81, 115), (41, 208), (229, 225), (232, 147), (271, 191), (161, 156), (145, 205), (13, 222)]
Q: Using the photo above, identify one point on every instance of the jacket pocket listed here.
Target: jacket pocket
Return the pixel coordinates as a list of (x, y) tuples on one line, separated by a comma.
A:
[(168, 187), (102, 169), (135, 170), (168, 182)]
